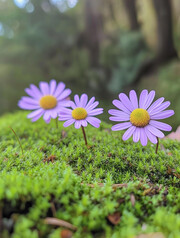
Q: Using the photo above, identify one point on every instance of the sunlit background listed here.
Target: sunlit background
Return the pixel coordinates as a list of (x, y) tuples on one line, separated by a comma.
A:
[(101, 47)]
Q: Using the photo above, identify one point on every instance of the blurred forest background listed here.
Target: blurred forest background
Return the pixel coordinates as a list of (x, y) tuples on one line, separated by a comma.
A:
[(101, 47)]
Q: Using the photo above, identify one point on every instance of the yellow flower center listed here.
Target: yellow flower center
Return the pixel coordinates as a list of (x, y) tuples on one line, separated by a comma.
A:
[(79, 113), (48, 102), (139, 117)]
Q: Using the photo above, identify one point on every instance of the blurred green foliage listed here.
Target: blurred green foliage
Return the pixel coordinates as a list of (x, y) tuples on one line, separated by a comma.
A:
[(41, 48), (124, 58), (49, 43), (31, 183)]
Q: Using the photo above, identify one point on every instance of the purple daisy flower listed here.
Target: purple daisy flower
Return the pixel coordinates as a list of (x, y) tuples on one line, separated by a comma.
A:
[(82, 112), (46, 101), (140, 118)]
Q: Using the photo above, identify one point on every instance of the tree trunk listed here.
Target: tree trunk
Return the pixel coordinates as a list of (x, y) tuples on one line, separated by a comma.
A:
[(111, 9), (166, 49), (94, 25), (130, 6)]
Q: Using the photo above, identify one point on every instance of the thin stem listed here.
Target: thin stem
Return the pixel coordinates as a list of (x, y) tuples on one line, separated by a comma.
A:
[(84, 134), (17, 140), (157, 145), (56, 123), (1, 222)]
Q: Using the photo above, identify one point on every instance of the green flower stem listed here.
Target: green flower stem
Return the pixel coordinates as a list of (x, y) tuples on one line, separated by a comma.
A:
[(56, 123), (17, 139), (84, 134), (157, 145)]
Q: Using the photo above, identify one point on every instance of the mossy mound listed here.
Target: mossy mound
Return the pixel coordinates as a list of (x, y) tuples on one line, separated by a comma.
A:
[(58, 176)]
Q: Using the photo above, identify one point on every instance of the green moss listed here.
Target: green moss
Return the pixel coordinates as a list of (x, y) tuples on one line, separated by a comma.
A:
[(56, 168)]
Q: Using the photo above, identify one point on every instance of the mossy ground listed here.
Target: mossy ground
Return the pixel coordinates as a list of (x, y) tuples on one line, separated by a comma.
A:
[(52, 179)]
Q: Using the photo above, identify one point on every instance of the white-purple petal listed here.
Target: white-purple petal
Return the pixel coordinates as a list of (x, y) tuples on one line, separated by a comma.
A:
[(160, 108), (64, 117), (155, 131), (36, 91), (143, 98), (36, 113), (119, 105), (149, 100), (64, 95), (77, 124), (118, 118), (143, 137), (48, 120), (60, 88), (30, 100), (95, 112), (160, 125), (84, 123), (31, 93), (155, 104), (150, 136), (47, 115), (52, 86), (121, 126), (76, 99), (44, 86), (115, 112), (91, 101), (129, 133), (63, 103), (94, 118), (93, 121), (72, 105), (136, 135), (35, 118), (27, 106), (65, 111), (133, 99), (126, 102), (92, 106), (162, 115), (83, 100), (53, 113), (69, 122)]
